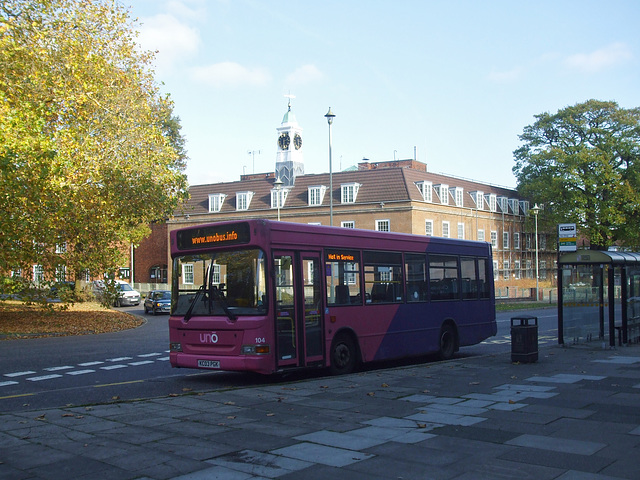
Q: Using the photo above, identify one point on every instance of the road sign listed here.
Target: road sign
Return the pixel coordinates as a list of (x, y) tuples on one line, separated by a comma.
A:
[(567, 237)]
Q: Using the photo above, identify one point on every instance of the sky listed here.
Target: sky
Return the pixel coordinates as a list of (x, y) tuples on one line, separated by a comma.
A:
[(453, 82)]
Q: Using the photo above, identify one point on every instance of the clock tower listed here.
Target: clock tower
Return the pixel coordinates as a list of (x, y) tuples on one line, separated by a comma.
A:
[(289, 159)]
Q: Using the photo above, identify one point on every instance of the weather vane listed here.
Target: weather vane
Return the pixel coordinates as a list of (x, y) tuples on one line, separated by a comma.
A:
[(289, 96)]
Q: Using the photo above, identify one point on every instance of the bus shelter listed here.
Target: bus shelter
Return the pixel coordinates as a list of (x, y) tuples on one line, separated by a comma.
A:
[(599, 297)]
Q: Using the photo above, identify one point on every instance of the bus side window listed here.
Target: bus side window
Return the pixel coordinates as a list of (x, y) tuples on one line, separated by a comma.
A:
[(469, 278), (443, 277), (383, 277), (416, 277), (484, 288), (343, 277)]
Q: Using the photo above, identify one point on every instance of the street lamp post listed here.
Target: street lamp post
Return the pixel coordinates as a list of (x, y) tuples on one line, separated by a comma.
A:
[(535, 210), (278, 184), (330, 116)]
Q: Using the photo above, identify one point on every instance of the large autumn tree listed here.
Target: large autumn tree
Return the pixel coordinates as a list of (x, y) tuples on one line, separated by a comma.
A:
[(583, 164), (90, 152)]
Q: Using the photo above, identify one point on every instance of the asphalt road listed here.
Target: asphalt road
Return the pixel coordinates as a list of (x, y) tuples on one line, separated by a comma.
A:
[(132, 364)]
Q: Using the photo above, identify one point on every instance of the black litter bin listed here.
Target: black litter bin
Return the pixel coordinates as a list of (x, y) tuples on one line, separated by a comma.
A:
[(524, 339)]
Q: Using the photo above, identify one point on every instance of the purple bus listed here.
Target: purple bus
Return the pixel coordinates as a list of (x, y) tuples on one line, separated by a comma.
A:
[(268, 297)]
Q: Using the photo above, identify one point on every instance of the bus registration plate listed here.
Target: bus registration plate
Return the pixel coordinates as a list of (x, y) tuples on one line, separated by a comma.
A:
[(208, 364)]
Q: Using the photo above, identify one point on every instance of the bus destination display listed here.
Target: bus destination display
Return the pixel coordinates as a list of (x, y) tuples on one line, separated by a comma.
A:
[(213, 235)]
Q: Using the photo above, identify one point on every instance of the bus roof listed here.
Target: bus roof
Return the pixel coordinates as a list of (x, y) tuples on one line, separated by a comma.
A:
[(296, 235)]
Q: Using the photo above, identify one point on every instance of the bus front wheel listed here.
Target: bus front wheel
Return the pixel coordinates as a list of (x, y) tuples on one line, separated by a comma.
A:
[(343, 355), (447, 342)]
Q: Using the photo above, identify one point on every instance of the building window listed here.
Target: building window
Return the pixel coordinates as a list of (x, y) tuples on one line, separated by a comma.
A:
[(524, 206), (443, 193), (494, 239), (61, 247), (348, 224), (461, 231), (316, 195), (481, 235), (124, 272), (505, 240), (428, 228), (445, 229), (459, 196), (516, 267), (426, 190), (492, 200), (543, 269), (215, 202), (513, 204), (349, 192), (505, 269), (478, 198), (187, 274), (243, 200), (495, 269), (383, 226), (542, 239), (528, 269), (38, 274), (215, 274), (274, 197), (504, 204), (516, 241), (61, 273)]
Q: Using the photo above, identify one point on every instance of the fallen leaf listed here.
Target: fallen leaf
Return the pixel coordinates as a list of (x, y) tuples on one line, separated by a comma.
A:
[(371, 394), (384, 385)]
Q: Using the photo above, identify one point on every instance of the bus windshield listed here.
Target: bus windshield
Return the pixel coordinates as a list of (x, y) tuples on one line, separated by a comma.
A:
[(229, 283)]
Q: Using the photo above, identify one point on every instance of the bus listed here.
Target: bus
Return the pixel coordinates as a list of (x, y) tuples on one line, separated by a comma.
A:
[(268, 296)]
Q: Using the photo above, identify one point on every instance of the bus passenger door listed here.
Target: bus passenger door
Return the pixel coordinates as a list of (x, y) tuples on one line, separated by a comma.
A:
[(298, 308), (312, 307)]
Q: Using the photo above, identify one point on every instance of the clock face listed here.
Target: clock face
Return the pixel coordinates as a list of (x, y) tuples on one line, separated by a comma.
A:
[(284, 141), (297, 141)]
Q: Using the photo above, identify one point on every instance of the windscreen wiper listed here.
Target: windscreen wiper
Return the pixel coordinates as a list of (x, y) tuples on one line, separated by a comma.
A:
[(188, 315), (217, 295)]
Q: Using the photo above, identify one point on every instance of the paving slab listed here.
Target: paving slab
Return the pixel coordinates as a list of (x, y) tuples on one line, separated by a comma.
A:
[(571, 415)]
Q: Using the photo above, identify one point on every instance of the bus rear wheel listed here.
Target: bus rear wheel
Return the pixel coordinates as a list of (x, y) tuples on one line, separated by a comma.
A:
[(343, 355), (447, 342)]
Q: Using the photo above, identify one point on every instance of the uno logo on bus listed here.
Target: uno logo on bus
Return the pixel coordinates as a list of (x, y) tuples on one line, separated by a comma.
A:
[(209, 337)]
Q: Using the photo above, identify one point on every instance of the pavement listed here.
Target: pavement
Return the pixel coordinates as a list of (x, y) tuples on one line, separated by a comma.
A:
[(573, 414)]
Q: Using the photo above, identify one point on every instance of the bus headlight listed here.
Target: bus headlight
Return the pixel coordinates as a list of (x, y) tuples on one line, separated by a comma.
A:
[(255, 349), (175, 347)]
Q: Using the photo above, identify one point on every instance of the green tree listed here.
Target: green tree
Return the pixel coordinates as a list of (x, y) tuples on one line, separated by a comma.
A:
[(583, 165), (90, 152)]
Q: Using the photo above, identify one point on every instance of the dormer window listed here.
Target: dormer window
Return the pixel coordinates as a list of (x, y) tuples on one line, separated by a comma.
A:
[(283, 197), (524, 206), (504, 204), (514, 205), (478, 197), (215, 202), (243, 200), (443, 193), (492, 200), (458, 194), (349, 192), (426, 190), (316, 195)]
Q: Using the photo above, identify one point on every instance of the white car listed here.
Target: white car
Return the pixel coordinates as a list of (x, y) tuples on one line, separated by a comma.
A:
[(127, 295)]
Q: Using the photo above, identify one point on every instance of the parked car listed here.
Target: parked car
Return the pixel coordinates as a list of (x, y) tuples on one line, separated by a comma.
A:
[(126, 295), (158, 301)]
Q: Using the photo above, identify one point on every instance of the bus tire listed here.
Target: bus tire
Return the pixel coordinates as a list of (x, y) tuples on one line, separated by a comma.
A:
[(344, 357), (447, 342)]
